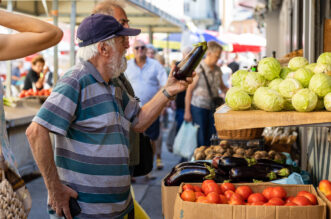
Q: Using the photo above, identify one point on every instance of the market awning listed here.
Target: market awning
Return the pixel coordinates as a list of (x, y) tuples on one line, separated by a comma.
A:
[(142, 14)]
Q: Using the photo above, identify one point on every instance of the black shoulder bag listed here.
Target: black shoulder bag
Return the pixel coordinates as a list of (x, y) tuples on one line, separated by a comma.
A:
[(215, 101), (146, 155)]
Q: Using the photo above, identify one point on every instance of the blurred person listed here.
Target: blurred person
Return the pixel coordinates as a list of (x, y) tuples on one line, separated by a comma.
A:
[(16, 73), (147, 77), (198, 100), (226, 72), (91, 116), (36, 74), (48, 78), (151, 51), (234, 65)]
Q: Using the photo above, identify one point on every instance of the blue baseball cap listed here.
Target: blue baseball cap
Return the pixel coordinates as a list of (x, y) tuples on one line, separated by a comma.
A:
[(101, 27)]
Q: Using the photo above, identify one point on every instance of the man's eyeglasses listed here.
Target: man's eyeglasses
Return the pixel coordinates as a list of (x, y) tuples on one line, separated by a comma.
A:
[(140, 47)]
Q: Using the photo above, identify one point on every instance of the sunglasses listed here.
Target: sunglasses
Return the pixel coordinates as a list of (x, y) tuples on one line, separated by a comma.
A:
[(140, 47)]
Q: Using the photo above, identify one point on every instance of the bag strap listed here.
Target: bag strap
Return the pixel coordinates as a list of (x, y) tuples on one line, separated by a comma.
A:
[(208, 86)]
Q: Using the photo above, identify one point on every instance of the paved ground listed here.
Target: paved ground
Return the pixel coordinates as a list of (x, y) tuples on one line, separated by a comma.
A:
[(147, 192)]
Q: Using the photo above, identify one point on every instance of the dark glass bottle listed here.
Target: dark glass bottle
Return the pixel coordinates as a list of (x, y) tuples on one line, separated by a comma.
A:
[(185, 67)]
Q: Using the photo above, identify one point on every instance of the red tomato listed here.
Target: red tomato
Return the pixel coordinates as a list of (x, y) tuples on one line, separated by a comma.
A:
[(276, 201), (278, 192), (227, 186), (269, 204), (267, 192), (213, 197), (188, 195), (202, 199), (21, 95), (223, 199), (312, 198), (257, 203), (256, 197), (206, 182), (211, 187), (198, 194), (236, 199), (244, 191), (228, 194), (290, 204), (197, 189), (188, 187), (301, 201), (325, 187), (289, 199)]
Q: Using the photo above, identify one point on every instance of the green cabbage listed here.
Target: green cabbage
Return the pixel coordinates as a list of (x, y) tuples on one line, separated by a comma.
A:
[(268, 99), (238, 100), (284, 72), (297, 62), (311, 67), (252, 82), (269, 68), (324, 58), (289, 87), (304, 100), (274, 84), (322, 68), (320, 104), (327, 102), (321, 84), (303, 75), (231, 90), (238, 77)]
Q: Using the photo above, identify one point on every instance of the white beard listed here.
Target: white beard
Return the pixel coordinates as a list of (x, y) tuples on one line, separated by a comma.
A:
[(116, 68)]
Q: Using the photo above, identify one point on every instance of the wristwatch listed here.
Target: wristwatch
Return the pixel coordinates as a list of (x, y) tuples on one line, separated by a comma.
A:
[(165, 92)]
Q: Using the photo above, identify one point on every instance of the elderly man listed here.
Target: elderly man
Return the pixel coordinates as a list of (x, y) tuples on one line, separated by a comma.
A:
[(91, 117), (147, 76)]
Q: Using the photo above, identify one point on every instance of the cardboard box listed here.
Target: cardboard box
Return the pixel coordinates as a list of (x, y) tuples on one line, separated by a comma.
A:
[(227, 119), (328, 203), (191, 210), (168, 194)]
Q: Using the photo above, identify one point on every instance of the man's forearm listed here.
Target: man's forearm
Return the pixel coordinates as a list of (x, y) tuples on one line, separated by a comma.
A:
[(42, 151), (150, 111)]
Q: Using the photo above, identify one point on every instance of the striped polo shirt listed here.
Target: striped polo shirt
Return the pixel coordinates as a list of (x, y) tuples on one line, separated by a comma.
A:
[(91, 120)]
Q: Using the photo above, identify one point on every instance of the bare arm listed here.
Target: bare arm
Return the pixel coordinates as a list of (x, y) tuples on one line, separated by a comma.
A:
[(40, 143), (188, 98), (151, 110), (35, 35)]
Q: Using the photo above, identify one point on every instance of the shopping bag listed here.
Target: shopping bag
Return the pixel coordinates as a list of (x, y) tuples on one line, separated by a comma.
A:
[(186, 140)]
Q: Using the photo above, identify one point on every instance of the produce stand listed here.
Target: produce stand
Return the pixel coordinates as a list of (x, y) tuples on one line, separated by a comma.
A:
[(18, 119)]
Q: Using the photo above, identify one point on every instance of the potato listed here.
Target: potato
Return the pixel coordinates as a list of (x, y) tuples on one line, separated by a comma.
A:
[(257, 156), (226, 154), (220, 151), (218, 155), (237, 155), (229, 150), (196, 151), (272, 153), (200, 156), (208, 151), (278, 157), (202, 148), (240, 151), (209, 156), (249, 152), (224, 142)]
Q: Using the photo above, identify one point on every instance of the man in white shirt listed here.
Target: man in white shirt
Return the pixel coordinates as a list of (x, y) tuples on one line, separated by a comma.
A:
[(147, 76)]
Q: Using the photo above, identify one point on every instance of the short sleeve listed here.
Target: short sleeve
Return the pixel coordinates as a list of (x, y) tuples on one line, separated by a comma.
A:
[(58, 111), (131, 108)]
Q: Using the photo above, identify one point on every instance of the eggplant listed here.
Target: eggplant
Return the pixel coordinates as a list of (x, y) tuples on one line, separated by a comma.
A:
[(272, 164), (245, 173), (190, 163), (282, 172), (227, 163), (187, 174)]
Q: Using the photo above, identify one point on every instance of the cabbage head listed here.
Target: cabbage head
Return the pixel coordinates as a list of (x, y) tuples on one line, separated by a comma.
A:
[(231, 90), (252, 82), (324, 58), (284, 72), (311, 67), (269, 68), (304, 100), (274, 84), (322, 68), (289, 87), (320, 104), (238, 100), (297, 62), (303, 75), (268, 99), (321, 84), (327, 102), (238, 77)]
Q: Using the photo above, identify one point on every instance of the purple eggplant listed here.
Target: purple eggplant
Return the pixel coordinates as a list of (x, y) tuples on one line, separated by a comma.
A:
[(226, 163), (190, 163), (187, 174), (247, 174)]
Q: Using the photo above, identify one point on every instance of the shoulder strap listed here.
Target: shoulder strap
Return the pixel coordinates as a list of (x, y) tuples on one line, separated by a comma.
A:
[(208, 86), (125, 85)]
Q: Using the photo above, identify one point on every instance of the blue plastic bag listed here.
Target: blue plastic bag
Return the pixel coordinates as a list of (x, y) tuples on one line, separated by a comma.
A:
[(293, 178), (186, 140)]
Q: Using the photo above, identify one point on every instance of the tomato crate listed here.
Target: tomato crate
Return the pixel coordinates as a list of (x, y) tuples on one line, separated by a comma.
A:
[(186, 209)]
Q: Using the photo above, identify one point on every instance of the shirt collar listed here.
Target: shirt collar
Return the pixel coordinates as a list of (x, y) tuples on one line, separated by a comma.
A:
[(93, 71)]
